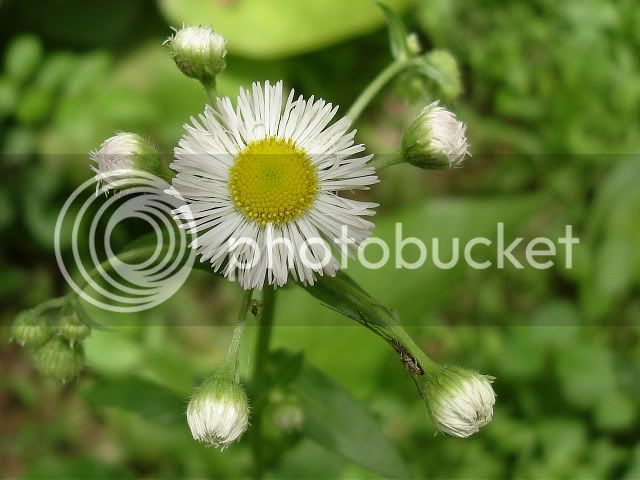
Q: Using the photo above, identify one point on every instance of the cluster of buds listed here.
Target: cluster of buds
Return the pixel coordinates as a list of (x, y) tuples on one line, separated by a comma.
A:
[(56, 346)]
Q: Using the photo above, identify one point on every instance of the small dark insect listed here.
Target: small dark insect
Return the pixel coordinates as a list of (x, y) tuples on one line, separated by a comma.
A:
[(407, 359), (255, 308)]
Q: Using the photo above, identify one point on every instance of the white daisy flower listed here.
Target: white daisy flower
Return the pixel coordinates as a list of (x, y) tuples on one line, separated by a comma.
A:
[(268, 173)]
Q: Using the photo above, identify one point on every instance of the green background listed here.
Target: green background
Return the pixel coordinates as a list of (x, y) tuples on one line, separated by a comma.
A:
[(551, 96)]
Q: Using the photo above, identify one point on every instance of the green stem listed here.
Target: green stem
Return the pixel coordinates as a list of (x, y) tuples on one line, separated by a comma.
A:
[(384, 161), (126, 257), (345, 296), (231, 360), (265, 327), (212, 92), (369, 93), (50, 304)]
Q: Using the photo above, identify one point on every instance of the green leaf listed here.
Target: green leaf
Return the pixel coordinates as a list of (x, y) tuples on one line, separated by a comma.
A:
[(338, 422), (279, 28), (153, 402), (397, 34)]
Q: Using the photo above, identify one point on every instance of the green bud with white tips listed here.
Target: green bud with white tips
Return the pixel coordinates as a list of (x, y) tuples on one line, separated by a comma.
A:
[(29, 330), (121, 158), (460, 401), (435, 139), (59, 360), (199, 52), (72, 328), (218, 412)]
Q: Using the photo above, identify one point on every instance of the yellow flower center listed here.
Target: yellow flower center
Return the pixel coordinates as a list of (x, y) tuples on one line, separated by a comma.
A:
[(273, 181)]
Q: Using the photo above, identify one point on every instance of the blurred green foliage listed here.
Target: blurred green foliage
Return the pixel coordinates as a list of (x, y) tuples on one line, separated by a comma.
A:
[(550, 92)]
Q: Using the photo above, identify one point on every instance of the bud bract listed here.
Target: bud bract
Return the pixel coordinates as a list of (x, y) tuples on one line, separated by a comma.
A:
[(121, 155), (30, 331), (218, 412), (460, 401), (435, 139), (59, 360), (199, 52)]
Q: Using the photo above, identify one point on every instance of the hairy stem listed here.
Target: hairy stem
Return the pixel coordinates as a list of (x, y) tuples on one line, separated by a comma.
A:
[(384, 161), (346, 297), (212, 92), (265, 326), (231, 360)]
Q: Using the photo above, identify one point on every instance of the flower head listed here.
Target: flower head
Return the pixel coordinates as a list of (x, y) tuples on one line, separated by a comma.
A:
[(199, 52), (435, 139), (260, 183), (123, 153), (460, 401), (218, 412)]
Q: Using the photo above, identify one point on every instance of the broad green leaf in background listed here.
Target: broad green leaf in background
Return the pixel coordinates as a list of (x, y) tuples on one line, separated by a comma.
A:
[(338, 422), (412, 292), (255, 28), (151, 401)]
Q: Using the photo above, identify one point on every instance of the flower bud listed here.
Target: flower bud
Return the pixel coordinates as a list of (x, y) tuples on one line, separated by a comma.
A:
[(460, 401), (199, 52), (446, 64), (288, 417), (435, 139), (72, 328), (59, 360), (413, 43), (121, 155), (30, 331), (218, 412)]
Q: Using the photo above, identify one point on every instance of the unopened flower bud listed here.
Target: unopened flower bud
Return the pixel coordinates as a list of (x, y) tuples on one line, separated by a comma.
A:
[(120, 156), (199, 52), (435, 139), (288, 417), (413, 42), (218, 412), (446, 64), (30, 331), (460, 401), (58, 360), (72, 328)]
